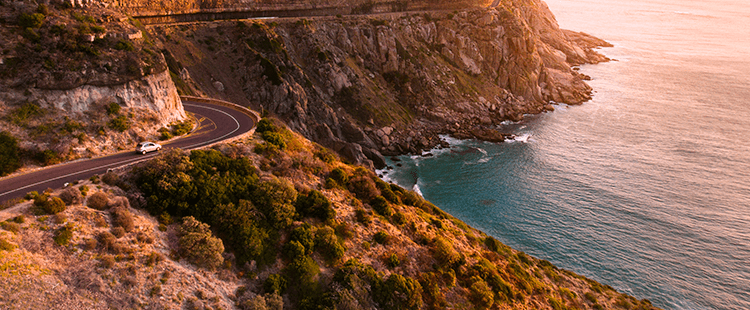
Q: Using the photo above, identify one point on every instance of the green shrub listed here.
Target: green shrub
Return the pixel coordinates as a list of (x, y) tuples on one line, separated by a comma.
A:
[(340, 176), (19, 219), (120, 123), (266, 125), (274, 138), (6, 246), (181, 128), (381, 237), (124, 45), (445, 254), (84, 189), (398, 218), (48, 157), (302, 270), (398, 292), (556, 304), (327, 244), (315, 204), (33, 20), (590, 297), (98, 201), (303, 235), (392, 260), (63, 235), (293, 250), (480, 293), (10, 154), (113, 108), (381, 206), (22, 114), (274, 284), (12, 227), (198, 245), (52, 205), (363, 216)]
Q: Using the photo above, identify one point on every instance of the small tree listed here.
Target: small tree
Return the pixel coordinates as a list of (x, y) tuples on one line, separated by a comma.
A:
[(197, 244)]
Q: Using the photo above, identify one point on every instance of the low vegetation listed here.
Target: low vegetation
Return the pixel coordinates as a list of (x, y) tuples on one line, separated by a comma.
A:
[(286, 227)]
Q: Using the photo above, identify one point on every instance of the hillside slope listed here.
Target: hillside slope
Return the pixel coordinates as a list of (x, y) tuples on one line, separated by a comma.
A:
[(269, 222)]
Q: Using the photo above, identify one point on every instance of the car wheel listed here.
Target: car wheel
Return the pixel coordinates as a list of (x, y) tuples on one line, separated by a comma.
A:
[(158, 149), (144, 152)]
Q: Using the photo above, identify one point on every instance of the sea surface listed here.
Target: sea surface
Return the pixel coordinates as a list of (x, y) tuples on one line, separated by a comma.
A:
[(646, 187)]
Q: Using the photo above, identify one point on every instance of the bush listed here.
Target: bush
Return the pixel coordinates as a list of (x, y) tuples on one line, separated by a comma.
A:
[(293, 250), (392, 260), (363, 216), (363, 187), (63, 235), (51, 205), (113, 108), (445, 254), (198, 245), (108, 241), (98, 201), (275, 138), (274, 284), (399, 218), (47, 157), (33, 20), (111, 178), (11, 227), (19, 219), (6, 246), (71, 196), (265, 125), (480, 293), (381, 206), (124, 45), (118, 232), (302, 271), (381, 237), (340, 176), (328, 245), (398, 292), (315, 204), (304, 236), (10, 154), (120, 123)]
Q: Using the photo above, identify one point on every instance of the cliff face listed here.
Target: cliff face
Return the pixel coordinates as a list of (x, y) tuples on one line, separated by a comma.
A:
[(79, 82), (389, 83), (154, 92)]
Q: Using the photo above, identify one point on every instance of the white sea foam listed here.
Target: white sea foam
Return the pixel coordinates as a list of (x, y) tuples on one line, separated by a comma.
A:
[(484, 159), (521, 138), (415, 188)]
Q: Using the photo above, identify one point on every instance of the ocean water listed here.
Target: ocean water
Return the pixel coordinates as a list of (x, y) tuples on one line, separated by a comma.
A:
[(646, 187)]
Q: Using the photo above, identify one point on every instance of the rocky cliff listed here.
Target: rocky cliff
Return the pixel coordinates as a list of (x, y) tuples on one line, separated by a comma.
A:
[(388, 83), (79, 82)]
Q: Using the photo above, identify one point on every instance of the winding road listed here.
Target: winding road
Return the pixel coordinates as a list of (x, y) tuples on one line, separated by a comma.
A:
[(215, 123)]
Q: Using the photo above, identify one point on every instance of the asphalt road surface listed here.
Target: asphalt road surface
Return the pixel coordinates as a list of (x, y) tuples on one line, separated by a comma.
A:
[(216, 123)]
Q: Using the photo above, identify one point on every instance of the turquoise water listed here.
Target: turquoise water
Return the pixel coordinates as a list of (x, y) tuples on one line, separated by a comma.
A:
[(646, 187)]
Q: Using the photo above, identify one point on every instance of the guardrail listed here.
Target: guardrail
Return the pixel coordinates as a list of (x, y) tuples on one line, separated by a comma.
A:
[(254, 115)]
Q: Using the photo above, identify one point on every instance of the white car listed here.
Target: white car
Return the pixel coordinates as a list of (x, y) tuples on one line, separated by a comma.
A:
[(145, 147)]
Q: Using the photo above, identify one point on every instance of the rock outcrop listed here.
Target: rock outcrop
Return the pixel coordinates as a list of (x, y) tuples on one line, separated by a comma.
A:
[(154, 92)]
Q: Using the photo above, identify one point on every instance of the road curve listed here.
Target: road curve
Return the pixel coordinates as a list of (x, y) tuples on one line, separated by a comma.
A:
[(215, 123)]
